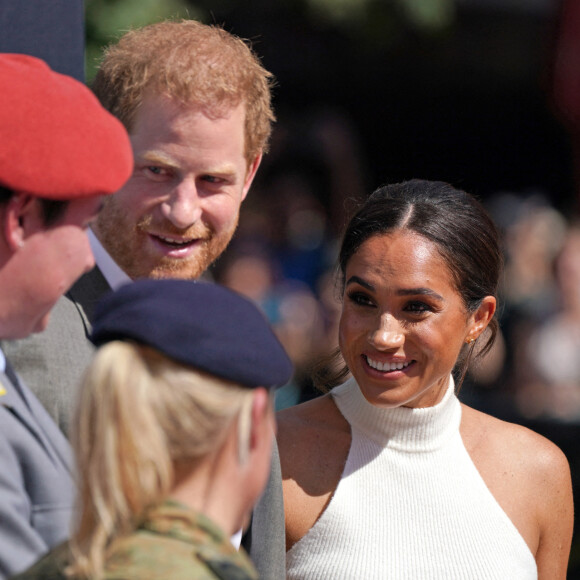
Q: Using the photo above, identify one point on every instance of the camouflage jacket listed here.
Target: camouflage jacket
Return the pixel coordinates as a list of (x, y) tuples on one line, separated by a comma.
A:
[(173, 543)]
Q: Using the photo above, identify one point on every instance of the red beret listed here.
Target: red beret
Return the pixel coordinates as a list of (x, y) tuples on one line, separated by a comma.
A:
[(56, 140)]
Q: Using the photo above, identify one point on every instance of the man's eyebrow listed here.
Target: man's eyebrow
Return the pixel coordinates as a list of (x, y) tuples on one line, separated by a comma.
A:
[(401, 292), (224, 169), (159, 157)]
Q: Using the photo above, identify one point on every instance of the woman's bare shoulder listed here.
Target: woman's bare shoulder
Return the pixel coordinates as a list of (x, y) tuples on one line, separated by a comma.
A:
[(519, 465), (319, 414), (487, 434), (312, 434), (530, 478), (313, 440)]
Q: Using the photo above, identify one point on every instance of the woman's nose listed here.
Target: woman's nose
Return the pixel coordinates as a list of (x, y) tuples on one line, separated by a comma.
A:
[(387, 334)]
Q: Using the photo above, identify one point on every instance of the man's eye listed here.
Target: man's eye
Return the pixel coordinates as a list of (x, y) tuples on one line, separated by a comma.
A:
[(211, 179), (156, 172)]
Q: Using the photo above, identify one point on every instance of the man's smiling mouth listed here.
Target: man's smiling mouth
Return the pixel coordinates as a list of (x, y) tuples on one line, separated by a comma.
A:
[(175, 243)]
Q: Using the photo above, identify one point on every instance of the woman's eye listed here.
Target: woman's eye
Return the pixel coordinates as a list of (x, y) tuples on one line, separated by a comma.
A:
[(418, 307), (360, 299)]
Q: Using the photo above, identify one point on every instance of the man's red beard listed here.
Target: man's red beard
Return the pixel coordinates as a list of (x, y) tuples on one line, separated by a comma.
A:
[(125, 242)]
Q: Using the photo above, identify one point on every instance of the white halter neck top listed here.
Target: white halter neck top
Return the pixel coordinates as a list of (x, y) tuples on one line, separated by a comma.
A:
[(410, 504)]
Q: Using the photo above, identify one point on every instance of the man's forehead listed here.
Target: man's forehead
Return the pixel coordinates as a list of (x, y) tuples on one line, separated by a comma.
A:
[(155, 100)]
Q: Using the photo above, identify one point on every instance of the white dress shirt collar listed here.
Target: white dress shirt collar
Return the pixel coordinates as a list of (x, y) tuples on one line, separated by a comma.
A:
[(108, 267)]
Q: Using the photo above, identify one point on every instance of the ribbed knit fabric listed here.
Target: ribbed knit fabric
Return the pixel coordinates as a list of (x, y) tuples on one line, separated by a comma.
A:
[(410, 504)]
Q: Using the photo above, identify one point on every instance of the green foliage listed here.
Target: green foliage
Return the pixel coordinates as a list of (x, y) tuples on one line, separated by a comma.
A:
[(424, 15), (107, 20), (373, 23), (429, 14), (339, 11)]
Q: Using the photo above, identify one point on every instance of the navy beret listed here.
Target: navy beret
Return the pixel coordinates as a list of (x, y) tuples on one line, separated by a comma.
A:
[(198, 324), (58, 142)]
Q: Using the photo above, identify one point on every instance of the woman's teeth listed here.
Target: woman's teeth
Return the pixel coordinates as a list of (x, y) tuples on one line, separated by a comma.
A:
[(395, 366)]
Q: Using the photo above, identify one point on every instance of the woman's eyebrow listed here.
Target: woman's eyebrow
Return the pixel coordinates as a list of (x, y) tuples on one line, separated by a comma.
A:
[(402, 292), (421, 291), (363, 283)]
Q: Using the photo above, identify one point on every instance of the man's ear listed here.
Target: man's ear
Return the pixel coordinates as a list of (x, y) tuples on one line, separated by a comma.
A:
[(20, 218), (251, 173)]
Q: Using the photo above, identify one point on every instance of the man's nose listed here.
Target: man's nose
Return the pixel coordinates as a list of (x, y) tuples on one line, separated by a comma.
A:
[(183, 207)]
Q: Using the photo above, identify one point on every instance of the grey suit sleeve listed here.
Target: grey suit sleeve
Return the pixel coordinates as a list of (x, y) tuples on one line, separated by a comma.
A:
[(20, 543), (36, 484), (266, 539), (52, 362)]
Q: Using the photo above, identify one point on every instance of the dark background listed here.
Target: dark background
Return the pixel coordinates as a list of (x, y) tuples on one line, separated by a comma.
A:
[(466, 100)]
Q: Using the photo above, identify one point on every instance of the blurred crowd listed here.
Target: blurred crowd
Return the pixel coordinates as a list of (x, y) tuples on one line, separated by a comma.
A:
[(537, 372), (284, 252), (284, 256)]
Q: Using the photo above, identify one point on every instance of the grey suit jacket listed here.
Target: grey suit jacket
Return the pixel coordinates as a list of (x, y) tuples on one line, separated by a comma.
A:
[(36, 482), (52, 362), (265, 540)]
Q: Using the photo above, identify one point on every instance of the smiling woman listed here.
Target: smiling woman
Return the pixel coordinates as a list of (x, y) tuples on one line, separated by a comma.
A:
[(403, 322), (388, 475)]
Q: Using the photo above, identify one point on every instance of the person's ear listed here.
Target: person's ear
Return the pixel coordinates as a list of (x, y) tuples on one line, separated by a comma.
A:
[(263, 421), (20, 218), (481, 318), (251, 173)]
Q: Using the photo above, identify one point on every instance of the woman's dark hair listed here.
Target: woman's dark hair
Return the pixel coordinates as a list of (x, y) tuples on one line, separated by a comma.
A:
[(455, 222), (52, 209)]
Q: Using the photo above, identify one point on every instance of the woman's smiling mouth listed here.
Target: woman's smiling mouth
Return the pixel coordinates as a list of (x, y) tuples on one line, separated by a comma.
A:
[(387, 366)]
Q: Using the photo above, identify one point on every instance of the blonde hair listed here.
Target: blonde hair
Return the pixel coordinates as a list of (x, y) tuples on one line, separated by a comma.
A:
[(139, 414), (193, 63)]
